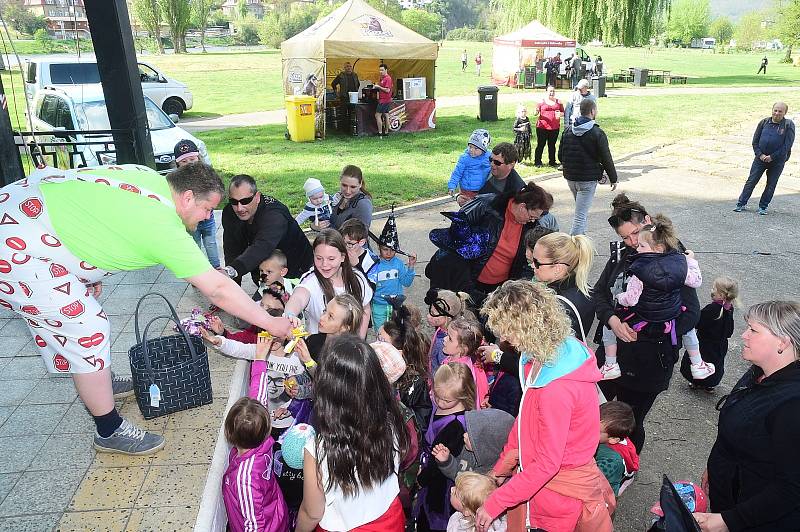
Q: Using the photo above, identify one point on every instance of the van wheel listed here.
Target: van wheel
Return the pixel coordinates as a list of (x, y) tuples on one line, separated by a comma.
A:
[(173, 106)]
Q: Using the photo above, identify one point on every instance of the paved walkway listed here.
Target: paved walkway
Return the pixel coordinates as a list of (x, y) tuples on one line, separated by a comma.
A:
[(278, 116), (51, 479)]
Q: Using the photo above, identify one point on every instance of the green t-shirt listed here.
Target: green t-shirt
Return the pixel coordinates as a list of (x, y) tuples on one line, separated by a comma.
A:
[(119, 230)]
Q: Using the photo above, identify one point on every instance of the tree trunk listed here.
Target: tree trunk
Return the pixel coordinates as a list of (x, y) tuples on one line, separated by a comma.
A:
[(203, 39), (788, 57)]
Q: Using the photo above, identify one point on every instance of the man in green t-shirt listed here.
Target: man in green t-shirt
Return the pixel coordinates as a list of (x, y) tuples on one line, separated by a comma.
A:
[(62, 232)]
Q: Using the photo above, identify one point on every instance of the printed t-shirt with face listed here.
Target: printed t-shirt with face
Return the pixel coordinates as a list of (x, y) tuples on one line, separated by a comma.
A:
[(278, 370), (120, 230), (316, 301)]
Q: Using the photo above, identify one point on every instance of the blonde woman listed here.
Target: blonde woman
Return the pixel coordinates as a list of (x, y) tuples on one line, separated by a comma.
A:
[(555, 435)]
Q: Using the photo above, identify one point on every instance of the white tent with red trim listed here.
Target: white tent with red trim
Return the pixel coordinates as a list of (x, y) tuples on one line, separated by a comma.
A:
[(525, 47)]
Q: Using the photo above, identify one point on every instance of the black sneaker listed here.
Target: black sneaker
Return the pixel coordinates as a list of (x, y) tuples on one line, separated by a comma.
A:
[(122, 386), (129, 439)]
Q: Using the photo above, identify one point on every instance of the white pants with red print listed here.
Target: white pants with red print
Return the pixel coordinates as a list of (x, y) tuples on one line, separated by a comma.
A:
[(47, 286)]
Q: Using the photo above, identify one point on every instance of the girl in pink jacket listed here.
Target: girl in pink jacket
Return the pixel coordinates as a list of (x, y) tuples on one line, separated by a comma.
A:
[(253, 500), (464, 337), (555, 435)]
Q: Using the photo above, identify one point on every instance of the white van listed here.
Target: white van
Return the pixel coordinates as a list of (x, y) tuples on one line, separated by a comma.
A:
[(84, 109), (171, 95)]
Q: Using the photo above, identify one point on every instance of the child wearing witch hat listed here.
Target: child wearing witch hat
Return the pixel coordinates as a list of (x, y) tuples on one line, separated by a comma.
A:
[(389, 275)]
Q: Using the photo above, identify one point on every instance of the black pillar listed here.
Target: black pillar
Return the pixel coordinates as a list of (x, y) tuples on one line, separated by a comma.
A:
[(116, 60), (10, 163)]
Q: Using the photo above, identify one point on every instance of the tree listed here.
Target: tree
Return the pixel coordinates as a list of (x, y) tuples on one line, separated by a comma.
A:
[(688, 19), (423, 22), (43, 39), (788, 27), (200, 14), (749, 30), (627, 22), (148, 12), (177, 14), (22, 20), (458, 13), (721, 29)]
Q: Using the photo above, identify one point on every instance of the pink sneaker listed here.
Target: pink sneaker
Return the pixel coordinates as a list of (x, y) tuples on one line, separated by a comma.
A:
[(610, 371), (702, 370)]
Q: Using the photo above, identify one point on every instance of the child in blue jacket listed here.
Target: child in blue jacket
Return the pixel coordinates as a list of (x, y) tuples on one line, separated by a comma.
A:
[(390, 276), (472, 168)]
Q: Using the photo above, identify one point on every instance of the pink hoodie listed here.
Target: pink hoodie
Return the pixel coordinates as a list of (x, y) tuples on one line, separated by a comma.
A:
[(560, 421), (478, 374), (253, 500)]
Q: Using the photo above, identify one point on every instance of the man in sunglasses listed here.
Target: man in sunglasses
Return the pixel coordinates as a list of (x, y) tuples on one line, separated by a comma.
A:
[(503, 179), (255, 225)]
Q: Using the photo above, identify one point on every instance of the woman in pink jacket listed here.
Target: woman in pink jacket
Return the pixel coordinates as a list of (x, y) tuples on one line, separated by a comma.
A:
[(555, 434)]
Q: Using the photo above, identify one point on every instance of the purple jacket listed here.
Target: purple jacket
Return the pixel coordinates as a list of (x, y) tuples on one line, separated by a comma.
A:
[(253, 500)]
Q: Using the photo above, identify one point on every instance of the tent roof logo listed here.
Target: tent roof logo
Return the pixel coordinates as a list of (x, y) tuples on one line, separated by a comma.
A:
[(372, 26)]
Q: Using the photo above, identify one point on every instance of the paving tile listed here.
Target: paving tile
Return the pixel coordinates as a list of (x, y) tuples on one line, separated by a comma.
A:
[(7, 482), (194, 446), (221, 383), (120, 363), (42, 492), (15, 327), (152, 519), (106, 521), (11, 345), (14, 391), (107, 488), (172, 486), (65, 451), (130, 411), (18, 452), (132, 291), (5, 411), (23, 368), (147, 276), (52, 391), (77, 420), (33, 419), (206, 416), (29, 523)]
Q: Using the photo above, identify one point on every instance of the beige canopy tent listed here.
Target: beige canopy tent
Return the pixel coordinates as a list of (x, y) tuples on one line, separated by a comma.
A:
[(527, 46), (363, 36)]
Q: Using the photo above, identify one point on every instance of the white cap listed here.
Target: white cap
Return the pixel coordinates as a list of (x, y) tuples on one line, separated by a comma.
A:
[(312, 186)]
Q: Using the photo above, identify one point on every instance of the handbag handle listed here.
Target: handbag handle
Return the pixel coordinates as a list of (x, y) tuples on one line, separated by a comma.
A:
[(173, 313)]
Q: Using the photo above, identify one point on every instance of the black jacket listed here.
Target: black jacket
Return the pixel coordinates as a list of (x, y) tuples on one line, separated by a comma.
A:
[(753, 469), (713, 331), (488, 211), (513, 183), (246, 245), (646, 364), (663, 275), (585, 157)]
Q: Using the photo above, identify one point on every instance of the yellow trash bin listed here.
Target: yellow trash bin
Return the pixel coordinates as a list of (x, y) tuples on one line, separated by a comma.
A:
[(300, 118)]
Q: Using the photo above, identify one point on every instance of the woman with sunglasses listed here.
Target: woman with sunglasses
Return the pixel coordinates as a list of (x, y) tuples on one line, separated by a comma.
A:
[(353, 199), (646, 358)]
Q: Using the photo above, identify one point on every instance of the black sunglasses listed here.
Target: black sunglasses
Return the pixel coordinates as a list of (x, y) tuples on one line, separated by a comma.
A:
[(537, 264), (243, 201), (625, 215), (496, 162)]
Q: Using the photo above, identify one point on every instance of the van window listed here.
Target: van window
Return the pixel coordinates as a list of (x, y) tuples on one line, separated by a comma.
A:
[(63, 115), (74, 73)]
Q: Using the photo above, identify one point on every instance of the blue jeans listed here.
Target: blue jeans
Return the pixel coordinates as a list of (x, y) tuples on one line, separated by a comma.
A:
[(206, 237), (583, 192), (757, 170)]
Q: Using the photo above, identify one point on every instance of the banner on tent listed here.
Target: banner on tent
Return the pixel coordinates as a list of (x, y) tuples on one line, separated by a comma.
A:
[(403, 115)]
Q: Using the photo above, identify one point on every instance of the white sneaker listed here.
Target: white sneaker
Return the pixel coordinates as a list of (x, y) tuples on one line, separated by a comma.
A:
[(610, 371), (702, 370)]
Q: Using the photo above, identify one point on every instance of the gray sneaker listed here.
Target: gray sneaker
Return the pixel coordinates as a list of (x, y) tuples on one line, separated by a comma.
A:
[(762, 212), (739, 208), (122, 386), (129, 439)]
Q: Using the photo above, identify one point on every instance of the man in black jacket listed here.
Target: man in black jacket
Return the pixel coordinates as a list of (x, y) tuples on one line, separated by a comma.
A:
[(503, 179), (584, 155), (256, 225)]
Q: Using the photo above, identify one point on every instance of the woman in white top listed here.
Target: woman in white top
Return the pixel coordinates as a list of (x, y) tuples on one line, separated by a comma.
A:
[(360, 438), (332, 275)]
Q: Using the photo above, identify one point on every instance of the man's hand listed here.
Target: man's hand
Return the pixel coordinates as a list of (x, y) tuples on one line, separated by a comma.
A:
[(768, 158), (440, 452), (96, 289), (282, 326), (622, 330)]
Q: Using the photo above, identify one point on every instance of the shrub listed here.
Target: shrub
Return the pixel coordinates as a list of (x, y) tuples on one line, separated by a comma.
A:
[(469, 34)]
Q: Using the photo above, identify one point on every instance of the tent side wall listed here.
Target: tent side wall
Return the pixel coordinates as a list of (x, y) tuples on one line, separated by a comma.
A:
[(505, 63)]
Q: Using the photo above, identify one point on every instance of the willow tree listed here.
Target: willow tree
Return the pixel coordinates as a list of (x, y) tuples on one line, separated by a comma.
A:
[(627, 22)]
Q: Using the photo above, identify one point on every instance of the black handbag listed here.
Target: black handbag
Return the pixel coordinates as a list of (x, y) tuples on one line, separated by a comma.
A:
[(170, 373)]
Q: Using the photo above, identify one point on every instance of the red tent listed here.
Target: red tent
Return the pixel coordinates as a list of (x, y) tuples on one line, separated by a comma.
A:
[(524, 47)]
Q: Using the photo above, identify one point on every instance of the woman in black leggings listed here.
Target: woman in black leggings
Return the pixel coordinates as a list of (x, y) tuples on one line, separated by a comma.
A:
[(646, 358)]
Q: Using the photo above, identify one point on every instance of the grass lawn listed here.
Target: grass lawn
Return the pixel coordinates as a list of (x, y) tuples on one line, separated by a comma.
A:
[(408, 167)]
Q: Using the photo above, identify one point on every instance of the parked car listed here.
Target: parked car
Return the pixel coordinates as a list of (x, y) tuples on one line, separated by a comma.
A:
[(171, 95), (84, 109)]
